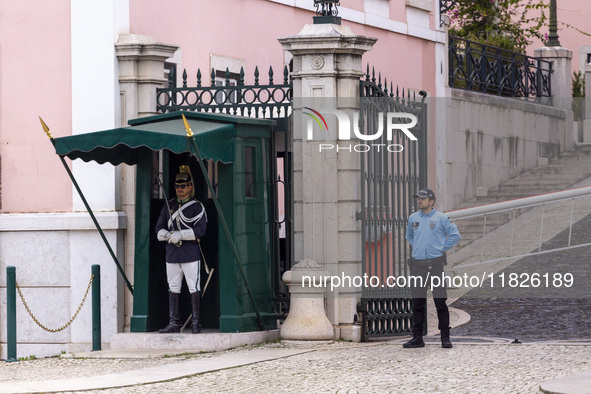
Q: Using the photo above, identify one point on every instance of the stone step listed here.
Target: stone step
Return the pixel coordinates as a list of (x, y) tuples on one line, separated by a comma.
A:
[(560, 174)]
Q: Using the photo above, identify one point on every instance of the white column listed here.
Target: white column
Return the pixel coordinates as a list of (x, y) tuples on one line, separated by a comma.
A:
[(95, 26)]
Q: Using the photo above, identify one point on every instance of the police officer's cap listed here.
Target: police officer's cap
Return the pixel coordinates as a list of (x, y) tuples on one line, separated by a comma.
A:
[(425, 193)]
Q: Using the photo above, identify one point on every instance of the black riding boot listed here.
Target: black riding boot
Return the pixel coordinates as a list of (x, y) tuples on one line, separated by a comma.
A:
[(174, 324), (445, 341), (195, 302)]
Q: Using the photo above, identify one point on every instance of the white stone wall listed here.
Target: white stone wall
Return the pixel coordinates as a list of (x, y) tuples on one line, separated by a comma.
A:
[(489, 140), (53, 255)]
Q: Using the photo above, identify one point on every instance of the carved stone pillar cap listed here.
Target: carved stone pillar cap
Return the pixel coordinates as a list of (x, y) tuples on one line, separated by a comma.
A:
[(306, 265)]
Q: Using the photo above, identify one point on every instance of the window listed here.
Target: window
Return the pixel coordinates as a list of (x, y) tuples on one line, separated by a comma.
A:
[(226, 96)]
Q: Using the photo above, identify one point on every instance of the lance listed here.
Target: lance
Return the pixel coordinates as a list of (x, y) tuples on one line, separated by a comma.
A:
[(222, 219), (96, 223)]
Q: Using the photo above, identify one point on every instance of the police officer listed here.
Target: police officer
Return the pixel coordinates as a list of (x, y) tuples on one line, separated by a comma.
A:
[(181, 223), (430, 233)]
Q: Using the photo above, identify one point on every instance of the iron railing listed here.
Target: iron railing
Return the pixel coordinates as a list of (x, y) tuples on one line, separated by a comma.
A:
[(228, 93), (488, 69), (526, 241), (389, 178)]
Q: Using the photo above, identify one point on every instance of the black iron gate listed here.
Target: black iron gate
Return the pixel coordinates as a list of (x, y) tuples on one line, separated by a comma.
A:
[(392, 170)]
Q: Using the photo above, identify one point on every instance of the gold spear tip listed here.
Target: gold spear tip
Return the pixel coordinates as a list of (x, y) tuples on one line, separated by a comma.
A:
[(46, 129), (187, 127)]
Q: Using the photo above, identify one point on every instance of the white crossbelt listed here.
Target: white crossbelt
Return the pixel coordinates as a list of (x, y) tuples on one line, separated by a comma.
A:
[(184, 219)]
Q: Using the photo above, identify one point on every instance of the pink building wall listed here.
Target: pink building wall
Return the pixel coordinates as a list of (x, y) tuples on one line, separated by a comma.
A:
[(36, 67), (34, 81), (249, 30)]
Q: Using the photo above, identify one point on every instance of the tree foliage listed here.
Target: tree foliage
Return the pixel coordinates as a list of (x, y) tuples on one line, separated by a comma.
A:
[(508, 24)]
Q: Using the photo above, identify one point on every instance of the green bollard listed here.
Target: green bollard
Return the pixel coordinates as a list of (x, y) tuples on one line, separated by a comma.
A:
[(96, 308), (11, 314)]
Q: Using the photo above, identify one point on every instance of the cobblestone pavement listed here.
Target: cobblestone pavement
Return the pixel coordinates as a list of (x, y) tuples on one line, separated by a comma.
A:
[(478, 363), (472, 366)]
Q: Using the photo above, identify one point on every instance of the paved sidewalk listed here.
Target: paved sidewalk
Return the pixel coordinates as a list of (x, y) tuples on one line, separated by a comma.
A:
[(474, 365)]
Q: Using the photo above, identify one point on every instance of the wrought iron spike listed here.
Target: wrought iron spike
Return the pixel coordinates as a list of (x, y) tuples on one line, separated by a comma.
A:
[(386, 86), (198, 77), (171, 79), (391, 90), (184, 77), (227, 76), (380, 80), (256, 75), (367, 73), (212, 76), (285, 75), (270, 75), (241, 81), (373, 74)]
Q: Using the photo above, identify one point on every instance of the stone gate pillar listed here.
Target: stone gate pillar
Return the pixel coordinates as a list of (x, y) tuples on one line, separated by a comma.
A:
[(327, 66), (141, 71)]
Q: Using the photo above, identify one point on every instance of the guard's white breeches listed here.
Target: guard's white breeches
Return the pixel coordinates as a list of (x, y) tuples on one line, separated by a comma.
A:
[(192, 273)]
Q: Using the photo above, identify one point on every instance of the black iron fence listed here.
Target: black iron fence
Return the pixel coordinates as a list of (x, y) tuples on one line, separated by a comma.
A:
[(228, 93), (484, 68)]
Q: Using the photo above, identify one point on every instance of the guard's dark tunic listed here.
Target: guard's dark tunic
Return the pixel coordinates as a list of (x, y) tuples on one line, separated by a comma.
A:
[(189, 214)]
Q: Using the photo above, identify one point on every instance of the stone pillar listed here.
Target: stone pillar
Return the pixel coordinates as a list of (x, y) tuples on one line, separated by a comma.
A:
[(561, 59), (141, 71), (587, 121), (327, 66), (307, 319)]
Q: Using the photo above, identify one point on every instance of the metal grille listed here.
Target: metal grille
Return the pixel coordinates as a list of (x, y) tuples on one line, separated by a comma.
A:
[(389, 178), (492, 70)]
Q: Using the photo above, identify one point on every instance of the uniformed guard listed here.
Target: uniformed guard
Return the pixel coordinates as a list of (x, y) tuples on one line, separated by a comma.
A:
[(430, 233), (181, 223)]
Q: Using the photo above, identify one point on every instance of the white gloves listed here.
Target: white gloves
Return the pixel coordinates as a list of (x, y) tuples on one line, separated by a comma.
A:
[(164, 235), (183, 235)]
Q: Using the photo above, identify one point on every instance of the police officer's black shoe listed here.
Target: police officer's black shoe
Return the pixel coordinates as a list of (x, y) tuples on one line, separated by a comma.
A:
[(416, 341), (445, 341)]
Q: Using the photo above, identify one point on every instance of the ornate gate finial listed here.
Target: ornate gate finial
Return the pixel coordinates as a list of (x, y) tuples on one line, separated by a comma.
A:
[(327, 12)]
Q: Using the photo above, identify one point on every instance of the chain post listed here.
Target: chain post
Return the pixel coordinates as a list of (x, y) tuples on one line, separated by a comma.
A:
[(96, 307), (11, 313)]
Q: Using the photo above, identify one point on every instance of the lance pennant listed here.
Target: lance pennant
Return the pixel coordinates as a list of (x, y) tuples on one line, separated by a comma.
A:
[(316, 118)]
